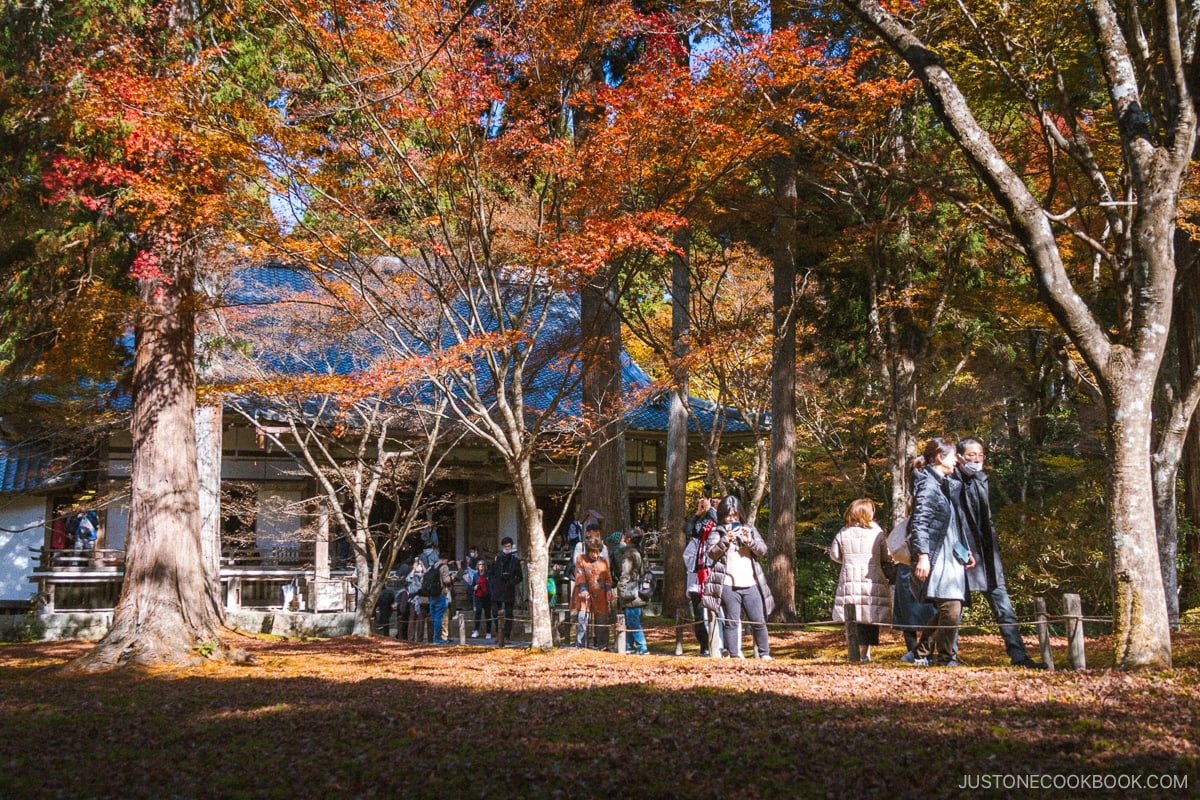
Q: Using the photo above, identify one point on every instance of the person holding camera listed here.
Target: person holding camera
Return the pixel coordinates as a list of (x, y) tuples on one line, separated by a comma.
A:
[(940, 554), (736, 581)]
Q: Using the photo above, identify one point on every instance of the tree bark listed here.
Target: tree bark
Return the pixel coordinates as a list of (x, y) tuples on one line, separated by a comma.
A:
[(1172, 437), (1187, 327), (675, 492), (168, 607), (1164, 472), (781, 542), (606, 485), (902, 430), (1141, 628), (536, 552)]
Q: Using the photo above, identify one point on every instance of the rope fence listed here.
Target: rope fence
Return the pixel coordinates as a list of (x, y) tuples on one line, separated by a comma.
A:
[(564, 628)]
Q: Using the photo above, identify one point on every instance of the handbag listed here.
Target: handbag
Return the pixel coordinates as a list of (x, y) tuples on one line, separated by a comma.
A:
[(897, 543)]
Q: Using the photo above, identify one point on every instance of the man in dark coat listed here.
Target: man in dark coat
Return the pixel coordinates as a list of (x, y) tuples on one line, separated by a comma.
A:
[(987, 576), (503, 579)]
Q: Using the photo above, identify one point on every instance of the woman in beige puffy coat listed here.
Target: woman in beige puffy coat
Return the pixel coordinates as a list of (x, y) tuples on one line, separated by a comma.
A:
[(737, 583), (861, 549)]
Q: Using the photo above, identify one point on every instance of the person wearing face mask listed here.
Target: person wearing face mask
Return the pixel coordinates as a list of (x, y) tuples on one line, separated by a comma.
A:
[(504, 577), (987, 576)]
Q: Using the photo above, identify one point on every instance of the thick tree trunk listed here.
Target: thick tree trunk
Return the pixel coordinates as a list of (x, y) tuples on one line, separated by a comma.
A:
[(365, 608), (1187, 329), (902, 431), (1165, 470), (536, 552), (167, 608), (1142, 634), (781, 541), (605, 487), (675, 492)]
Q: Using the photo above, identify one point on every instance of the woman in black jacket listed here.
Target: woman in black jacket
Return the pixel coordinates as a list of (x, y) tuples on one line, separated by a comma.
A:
[(940, 553)]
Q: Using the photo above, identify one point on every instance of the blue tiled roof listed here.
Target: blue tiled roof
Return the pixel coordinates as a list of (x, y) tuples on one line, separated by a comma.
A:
[(24, 468), (550, 374)]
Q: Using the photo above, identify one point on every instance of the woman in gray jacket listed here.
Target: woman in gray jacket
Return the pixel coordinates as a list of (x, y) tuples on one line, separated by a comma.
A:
[(737, 581)]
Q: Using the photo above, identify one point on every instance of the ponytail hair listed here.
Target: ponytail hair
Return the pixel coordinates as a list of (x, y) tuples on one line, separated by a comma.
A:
[(934, 449)]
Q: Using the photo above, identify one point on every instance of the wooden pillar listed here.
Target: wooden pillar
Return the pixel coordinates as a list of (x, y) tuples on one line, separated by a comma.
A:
[(852, 634), (321, 548), (233, 594), (460, 530), (1043, 629), (1073, 611), (715, 638)]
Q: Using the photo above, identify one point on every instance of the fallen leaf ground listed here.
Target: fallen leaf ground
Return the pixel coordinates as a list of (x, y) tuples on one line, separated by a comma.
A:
[(380, 718)]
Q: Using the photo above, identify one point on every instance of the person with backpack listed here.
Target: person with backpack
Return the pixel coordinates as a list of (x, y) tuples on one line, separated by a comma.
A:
[(436, 586), (85, 530), (696, 565), (417, 604), (737, 583), (629, 591), (503, 579)]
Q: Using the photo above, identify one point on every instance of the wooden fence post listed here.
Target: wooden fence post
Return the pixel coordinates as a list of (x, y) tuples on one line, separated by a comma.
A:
[(462, 628), (620, 633), (1073, 611), (1043, 629), (852, 633), (678, 633), (715, 639)]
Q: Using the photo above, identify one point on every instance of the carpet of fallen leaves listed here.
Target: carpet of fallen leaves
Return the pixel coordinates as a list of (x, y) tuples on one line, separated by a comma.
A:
[(380, 718)]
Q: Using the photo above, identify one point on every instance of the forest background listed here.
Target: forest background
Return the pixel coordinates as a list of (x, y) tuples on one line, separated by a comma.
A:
[(757, 199)]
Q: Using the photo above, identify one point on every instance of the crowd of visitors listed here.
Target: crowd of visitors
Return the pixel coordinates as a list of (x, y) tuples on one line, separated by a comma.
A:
[(917, 581)]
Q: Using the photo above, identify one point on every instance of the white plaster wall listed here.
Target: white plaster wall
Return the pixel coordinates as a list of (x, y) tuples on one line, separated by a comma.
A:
[(510, 520), (22, 526)]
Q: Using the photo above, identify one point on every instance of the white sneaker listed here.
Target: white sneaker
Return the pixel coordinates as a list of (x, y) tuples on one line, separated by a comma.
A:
[(765, 658), (488, 636), (474, 634)]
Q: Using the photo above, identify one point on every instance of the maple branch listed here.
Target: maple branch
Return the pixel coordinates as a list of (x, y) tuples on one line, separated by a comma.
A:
[(1026, 215)]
